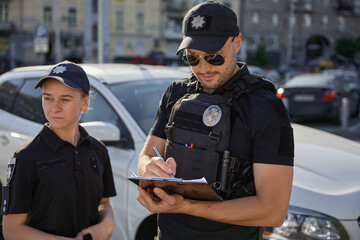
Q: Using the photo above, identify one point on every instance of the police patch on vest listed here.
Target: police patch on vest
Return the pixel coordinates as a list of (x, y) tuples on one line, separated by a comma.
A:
[(10, 170), (212, 115)]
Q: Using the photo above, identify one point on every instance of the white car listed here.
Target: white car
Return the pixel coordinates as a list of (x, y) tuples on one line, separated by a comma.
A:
[(124, 98)]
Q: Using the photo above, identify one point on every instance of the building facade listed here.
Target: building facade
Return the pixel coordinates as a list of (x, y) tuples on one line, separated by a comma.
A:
[(293, 32), (297, 32)]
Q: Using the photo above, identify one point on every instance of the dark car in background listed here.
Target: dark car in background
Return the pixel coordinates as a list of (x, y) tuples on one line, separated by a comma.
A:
[(319, 96)]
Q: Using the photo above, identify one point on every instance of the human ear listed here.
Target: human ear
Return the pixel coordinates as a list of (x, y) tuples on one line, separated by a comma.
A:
[(237, 42)]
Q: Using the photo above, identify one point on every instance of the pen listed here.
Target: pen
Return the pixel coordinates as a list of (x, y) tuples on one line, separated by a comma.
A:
[(159, 155)]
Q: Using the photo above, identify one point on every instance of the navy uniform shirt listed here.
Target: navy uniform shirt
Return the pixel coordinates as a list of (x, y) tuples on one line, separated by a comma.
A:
[(60, 186), (260, 132)]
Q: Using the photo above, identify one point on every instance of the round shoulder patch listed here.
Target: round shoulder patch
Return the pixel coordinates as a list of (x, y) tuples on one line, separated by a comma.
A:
[(10, 170), (212, 115)]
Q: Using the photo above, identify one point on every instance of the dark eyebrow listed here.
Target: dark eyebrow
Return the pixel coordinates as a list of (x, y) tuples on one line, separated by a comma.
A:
[(47, 94)]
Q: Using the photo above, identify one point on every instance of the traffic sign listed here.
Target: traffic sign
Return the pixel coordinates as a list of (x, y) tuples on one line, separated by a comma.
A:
[(41, 39)]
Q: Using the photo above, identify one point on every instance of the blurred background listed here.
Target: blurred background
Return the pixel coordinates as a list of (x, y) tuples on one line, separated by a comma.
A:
[(280, 36)]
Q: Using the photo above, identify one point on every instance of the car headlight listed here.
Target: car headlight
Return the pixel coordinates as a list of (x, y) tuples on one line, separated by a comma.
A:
[(305, 224)]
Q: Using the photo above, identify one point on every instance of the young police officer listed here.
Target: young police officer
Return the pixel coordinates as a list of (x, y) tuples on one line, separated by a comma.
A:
[(59, 183), (220, 110)]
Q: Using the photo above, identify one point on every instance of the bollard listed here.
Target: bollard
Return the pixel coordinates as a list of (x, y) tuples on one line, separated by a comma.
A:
[(344, 117)]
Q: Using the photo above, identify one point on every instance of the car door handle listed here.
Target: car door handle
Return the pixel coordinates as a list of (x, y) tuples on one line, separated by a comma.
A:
[(4, 140)]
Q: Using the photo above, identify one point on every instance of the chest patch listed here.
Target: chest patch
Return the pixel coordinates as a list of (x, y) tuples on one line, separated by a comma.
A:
[(212, 115)]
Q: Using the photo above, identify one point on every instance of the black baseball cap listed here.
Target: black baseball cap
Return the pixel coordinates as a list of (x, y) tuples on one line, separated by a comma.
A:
[(69, 73), (207, 27)]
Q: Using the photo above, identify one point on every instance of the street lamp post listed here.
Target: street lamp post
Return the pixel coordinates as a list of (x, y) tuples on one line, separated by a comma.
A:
[(100, 32), (290, 33), (57, 31)]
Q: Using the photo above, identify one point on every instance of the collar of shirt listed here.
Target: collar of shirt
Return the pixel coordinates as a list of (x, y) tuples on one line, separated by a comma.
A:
[(54, 142), (231, 82)]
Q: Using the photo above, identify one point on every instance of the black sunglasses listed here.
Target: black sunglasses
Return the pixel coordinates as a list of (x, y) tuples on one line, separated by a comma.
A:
[(213, 59)]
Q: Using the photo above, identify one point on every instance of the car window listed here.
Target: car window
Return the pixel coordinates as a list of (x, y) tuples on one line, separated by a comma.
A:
[(101, 110), (7, 93), (141, 99), (342, 85), (28, 102)]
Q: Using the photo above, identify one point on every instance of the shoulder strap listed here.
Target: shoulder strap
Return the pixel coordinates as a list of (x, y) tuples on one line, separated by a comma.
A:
[(249, 83), (191, 86)]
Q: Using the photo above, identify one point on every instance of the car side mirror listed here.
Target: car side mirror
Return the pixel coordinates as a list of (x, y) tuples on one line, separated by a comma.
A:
[(103, 131)]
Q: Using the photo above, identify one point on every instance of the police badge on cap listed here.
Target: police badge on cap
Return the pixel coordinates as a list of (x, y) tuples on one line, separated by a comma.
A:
[(10, 170)]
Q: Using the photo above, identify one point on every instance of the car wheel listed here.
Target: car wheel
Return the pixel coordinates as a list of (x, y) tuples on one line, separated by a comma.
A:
[(147, 229)]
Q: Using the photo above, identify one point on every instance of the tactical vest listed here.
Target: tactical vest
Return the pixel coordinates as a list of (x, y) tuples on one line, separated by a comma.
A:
[(198, 135)]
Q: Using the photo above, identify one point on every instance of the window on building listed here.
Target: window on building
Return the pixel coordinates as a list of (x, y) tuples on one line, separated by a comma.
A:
[(4, 12), (140, 21), (325, 21), (72, 17), (326, 3), (94, 6), (48, 15), (253, 41), (140, 48), (308, 5), (94, 32), (120, 19), (273, 42), (307, 20), (119, 48), (341, 23), (255, 18), (357, 7), (275, 19)]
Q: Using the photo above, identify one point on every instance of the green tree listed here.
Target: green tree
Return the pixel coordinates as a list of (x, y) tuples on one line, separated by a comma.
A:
[(347, 47), (260, 58)]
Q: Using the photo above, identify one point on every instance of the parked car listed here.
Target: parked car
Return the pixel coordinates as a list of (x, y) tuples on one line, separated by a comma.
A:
[(316, 96), (350, 76), (325, 197)]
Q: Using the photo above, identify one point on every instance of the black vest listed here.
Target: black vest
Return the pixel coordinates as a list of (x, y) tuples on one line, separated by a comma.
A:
[(198, 133)]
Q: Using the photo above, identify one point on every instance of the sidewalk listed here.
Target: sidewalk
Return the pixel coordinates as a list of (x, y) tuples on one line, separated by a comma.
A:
[(352, 132)]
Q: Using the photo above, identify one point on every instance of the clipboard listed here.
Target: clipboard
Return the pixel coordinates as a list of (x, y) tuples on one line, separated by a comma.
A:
[(197, 189)]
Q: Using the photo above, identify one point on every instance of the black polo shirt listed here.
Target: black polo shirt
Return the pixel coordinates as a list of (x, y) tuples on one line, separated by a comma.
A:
[(60, 186), (260, 132)]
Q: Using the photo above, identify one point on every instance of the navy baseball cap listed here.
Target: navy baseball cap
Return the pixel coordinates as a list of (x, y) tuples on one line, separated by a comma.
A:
[(69, 73), (207, 26)]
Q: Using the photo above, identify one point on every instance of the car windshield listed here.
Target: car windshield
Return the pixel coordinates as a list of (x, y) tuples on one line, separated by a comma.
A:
[(309, 81), (141, 99)]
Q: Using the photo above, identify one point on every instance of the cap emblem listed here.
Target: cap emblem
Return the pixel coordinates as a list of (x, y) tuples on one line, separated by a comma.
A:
[(59, 69), (198, 22)]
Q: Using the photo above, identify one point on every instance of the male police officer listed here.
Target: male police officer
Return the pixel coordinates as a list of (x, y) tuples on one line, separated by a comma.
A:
[(220, 109)]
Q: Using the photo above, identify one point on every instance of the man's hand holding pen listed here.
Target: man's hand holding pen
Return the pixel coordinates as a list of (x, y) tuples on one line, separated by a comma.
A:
[(158, 167)]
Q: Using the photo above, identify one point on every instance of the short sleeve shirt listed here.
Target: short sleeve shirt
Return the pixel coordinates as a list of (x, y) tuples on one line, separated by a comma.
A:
[(60, 186), (260, 132)]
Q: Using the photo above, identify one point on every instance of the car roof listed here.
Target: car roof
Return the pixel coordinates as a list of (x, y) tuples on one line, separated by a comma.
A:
[(110, 72)]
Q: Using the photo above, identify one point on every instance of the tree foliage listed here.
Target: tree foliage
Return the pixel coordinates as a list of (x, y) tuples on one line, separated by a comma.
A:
[(347, 47), (260, 58)]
